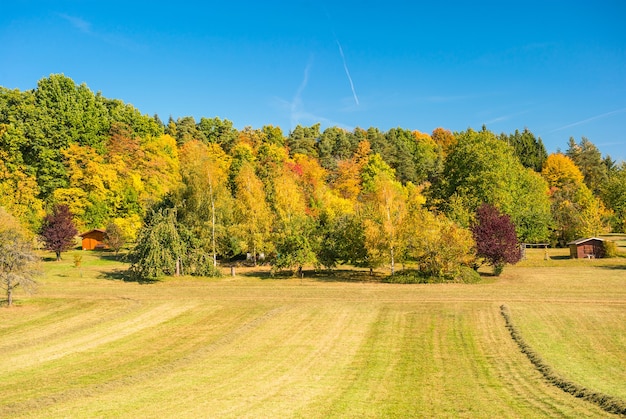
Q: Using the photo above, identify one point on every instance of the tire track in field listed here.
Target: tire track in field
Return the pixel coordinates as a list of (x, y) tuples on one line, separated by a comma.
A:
[(60, 403), (306, 378), (70, 318), (87, 339), (305, 349)]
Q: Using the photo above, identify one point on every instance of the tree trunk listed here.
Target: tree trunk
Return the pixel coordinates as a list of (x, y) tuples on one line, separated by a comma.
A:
[(213, 225), (9, 295), (178, 266), (254, 255), (58, 252), (393, 267)]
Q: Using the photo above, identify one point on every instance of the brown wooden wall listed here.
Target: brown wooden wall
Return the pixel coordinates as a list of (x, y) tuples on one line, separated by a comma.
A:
[(591, 247), (93, 240)]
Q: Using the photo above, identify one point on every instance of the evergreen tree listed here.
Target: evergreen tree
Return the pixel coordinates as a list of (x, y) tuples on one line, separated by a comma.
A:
[(303, 140)]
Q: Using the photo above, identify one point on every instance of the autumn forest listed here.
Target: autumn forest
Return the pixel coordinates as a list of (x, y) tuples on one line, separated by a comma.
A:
[(203, 191)]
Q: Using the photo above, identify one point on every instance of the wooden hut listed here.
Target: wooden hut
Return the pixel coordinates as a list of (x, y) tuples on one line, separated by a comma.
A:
[(591, 247), (93, 239)]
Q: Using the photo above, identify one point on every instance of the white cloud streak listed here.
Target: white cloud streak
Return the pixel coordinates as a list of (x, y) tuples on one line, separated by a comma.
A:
[(77, 22), (296, 103), (593, 118), (345, 67), (86, 28)]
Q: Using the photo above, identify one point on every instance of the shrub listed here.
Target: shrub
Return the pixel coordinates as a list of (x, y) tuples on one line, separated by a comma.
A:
[(610, 249), (465, 275)]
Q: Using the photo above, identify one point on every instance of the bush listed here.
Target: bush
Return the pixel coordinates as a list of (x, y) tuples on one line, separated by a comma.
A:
[(466, 275), (610, 249)]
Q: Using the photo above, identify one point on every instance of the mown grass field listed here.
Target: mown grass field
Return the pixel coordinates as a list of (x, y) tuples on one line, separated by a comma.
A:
[(89, 344)]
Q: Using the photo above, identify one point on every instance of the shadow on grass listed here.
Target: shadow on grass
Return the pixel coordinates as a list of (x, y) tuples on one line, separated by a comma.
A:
[(112, 256), (560, 257), (338, 275), (614, 267), (346, 275), (124, 275)]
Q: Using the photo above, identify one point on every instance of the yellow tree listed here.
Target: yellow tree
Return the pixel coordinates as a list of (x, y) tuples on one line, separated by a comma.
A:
[(311, 177), (254, 219), (444, 139), (348, 181), (18, 195), (384, 216), (294, 241), (559, 170), (90, 194), (160, 168), (204, 196), (575, 210)]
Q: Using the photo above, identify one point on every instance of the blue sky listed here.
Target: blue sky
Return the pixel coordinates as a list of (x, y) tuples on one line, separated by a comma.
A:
[(556, 67)]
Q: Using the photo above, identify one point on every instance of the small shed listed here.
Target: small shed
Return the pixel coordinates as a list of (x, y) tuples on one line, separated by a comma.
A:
[(94, 239), (591, 247)]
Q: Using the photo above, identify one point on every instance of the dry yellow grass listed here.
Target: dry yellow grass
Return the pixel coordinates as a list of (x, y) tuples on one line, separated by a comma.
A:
[(89, 344)]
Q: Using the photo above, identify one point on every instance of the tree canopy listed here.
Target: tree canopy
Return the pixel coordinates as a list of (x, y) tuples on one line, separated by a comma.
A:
[(313, 196)]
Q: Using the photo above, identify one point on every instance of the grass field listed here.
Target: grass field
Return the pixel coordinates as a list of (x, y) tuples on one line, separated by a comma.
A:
[(89, 344)]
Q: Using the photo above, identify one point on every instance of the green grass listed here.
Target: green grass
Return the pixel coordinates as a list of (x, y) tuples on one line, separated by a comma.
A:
[(90, 344)]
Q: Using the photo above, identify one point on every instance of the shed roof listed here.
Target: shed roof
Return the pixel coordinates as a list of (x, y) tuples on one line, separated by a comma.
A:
[(99, 230), (583, 240)]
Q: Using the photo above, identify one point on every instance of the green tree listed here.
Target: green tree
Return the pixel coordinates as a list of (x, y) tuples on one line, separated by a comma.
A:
[(335, 144), (218, 131), (160, 249), (483, 169), (273, 135), (186, 130), (614, 196), (303, 140), (529, 150), (589, 160)]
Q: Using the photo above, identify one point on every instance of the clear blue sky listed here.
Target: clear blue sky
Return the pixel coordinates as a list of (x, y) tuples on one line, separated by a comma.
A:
[(556, 67)]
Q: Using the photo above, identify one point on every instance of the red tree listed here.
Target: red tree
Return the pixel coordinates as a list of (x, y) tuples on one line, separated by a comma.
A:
[(58, 231), (496, 240)]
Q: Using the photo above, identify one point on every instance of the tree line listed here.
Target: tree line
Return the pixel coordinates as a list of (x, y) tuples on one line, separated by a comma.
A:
[(201, 191)]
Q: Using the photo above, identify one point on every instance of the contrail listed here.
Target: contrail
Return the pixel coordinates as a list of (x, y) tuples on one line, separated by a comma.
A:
[(593, 118), (297, 99), (345, 66)]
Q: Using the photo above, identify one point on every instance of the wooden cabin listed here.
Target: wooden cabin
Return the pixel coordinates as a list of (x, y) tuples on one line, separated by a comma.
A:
[(93, 239), (590, 248)]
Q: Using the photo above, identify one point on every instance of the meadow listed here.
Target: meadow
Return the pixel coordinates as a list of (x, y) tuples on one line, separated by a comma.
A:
[(90, 344)]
